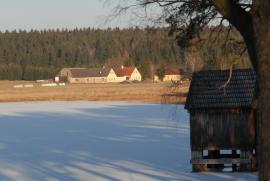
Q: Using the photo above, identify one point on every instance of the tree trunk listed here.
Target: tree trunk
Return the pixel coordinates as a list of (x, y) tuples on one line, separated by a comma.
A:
[(261, 23), (264, 113)]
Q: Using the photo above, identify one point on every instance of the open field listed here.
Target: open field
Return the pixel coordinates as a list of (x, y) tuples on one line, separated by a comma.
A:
[(143, 92)]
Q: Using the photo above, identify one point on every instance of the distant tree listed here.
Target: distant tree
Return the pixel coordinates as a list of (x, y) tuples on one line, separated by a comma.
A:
[(55, 49), (145, 69), (161, 71)]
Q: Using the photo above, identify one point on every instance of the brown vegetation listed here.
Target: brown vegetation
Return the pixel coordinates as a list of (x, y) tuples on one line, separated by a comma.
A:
[(139, 92)]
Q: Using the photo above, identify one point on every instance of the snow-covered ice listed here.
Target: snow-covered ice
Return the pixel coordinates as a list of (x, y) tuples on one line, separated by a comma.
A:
[(92, 141)]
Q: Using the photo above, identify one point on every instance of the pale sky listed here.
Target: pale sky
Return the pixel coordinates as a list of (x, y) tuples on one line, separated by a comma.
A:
[(46, 14)]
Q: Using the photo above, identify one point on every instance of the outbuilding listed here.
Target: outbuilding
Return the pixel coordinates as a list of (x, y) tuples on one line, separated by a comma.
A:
[(88, 75), (222, 109)]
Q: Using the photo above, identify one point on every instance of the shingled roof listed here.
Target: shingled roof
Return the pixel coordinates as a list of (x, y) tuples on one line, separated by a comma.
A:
[(173, 71), (206, 92), (89, 72), (124, 71)]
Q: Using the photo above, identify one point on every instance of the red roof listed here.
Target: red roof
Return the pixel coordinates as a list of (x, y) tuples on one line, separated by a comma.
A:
[(173, 71), (128, 70), (125, 71), (170, 71)]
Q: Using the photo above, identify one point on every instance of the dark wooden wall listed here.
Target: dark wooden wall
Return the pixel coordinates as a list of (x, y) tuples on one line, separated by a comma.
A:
[(222, 129)]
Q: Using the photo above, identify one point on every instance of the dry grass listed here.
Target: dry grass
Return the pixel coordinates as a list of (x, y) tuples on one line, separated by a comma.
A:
[(141, 92)]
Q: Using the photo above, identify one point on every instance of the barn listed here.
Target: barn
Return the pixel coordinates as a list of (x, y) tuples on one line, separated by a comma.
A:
[(98, 75), (222, 119), (88, 75)]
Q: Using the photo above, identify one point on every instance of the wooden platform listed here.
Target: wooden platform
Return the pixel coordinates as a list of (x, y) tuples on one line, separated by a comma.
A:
[(245, 161), (220, 161)]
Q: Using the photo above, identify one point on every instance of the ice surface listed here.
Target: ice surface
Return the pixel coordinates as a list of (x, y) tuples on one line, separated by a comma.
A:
[(92, 141)]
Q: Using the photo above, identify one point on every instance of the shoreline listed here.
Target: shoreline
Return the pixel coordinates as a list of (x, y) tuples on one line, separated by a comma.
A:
[(139, 92), (96, 101), (93, 100)]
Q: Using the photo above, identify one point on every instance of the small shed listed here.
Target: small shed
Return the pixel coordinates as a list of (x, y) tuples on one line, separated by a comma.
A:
[(223, 119)]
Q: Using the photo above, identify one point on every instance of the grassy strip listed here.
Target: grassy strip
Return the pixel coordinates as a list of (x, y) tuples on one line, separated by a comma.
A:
[(139, 92)]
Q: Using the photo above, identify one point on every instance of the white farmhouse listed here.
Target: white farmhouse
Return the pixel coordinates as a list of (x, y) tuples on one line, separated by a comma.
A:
[(128, 74)]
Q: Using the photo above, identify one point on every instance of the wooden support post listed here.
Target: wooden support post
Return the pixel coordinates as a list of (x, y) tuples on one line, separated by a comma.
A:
[(198, 155), (234, 166), (214, 154), (246, 154), (254, 161)]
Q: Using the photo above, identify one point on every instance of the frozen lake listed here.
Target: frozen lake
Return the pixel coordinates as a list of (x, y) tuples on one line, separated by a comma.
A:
[(92, 141)]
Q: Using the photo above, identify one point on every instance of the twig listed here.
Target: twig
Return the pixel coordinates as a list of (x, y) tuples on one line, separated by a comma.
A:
[(224, 86)]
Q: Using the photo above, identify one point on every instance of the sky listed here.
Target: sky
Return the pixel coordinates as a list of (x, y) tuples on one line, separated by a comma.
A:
[(52, 14)]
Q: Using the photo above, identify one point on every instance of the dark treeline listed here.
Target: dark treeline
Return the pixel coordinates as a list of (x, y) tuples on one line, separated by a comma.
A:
[(41, 54)]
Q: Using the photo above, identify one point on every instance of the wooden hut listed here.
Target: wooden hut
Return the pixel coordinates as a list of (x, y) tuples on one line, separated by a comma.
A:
[(222, 119)]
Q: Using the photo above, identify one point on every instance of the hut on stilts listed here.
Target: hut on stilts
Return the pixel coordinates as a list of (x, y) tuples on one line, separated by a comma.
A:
[(222, 109)]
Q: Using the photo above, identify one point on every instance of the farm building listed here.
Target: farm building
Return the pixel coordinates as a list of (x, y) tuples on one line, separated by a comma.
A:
[(171, 74), (98, 75), (88, 75), (222, 119), (128, 73)]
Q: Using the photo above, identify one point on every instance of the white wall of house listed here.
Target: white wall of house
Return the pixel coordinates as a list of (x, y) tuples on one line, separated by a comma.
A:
[(168, 78), (172, 77), (112, 77), (120, 79), (86, 80), (156, 78), (136, 75)]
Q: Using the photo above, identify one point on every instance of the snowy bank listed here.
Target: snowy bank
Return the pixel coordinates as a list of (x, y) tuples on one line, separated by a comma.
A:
[(92, 141)]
